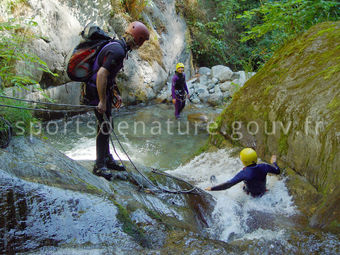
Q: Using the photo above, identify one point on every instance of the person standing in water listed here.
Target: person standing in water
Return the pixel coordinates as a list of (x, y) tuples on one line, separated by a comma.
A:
[(253, 174), (179, 89), (105, 91)]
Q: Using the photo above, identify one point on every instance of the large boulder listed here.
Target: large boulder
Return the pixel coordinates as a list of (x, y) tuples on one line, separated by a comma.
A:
[(60, 22), (47, 199), (222, 73), (291, 107)]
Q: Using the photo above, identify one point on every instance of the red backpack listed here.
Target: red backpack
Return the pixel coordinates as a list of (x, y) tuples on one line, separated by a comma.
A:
[(80, 63)]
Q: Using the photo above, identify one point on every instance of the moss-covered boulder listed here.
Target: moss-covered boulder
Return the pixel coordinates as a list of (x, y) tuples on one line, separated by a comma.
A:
[(291, 107)]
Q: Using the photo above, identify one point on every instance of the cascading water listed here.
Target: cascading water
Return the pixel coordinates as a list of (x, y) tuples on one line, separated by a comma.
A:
[(265, 225), (238, 215)]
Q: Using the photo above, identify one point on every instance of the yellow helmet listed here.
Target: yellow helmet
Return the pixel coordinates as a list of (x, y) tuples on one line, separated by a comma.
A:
[(179, 65), (248, 156)]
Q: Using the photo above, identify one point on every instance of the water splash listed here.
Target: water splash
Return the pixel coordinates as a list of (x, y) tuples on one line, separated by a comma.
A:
[(236, 214), (85, 149)]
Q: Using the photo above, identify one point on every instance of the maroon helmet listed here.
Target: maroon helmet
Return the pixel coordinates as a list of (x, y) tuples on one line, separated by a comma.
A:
[(139, 32)]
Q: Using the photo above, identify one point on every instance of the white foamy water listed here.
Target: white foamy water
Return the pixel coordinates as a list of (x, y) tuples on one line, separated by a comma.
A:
[(85, 149), (236, 214)]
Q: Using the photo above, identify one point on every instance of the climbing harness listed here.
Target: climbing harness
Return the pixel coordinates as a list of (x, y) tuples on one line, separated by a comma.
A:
[(180, 95)]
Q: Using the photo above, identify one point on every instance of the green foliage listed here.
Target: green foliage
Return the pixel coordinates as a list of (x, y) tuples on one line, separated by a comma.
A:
[(20, 120), (14, 35), (134, 7), (214, 32), (12, 5), (243, 34), (274, 22)]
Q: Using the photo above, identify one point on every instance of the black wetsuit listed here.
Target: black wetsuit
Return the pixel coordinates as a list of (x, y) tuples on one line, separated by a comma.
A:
[(111, 57), (179, 91), (254, 177)]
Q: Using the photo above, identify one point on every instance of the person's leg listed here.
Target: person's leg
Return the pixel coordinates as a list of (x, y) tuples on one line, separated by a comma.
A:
[(109, 161), (102, 143), (102, 139), (182, 106), (177, 108)]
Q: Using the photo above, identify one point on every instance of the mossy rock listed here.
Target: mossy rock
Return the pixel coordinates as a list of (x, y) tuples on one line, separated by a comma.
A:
[(291, 108), (305, 195), (327, 214)]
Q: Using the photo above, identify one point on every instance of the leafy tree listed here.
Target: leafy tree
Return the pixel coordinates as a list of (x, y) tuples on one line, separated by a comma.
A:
[(243, 34), (14, 35), (215, 31), (275, 22)]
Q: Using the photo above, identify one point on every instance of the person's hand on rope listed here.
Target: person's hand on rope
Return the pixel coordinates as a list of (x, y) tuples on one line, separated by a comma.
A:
[(174, 101), (208, 189)]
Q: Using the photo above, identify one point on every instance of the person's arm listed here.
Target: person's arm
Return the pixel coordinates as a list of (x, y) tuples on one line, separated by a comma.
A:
[(101, 82), (238, 178)]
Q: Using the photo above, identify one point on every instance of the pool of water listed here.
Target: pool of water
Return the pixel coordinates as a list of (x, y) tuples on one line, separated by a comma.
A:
[(149, 134)]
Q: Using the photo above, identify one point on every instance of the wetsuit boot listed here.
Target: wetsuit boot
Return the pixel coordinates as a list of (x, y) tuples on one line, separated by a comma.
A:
[(101, 170), (112, 165)]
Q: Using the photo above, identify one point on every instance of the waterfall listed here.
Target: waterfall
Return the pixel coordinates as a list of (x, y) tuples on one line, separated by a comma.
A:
[(238, 215)]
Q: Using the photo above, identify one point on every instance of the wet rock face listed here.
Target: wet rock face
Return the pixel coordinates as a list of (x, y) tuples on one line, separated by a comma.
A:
[(291, 108), (145, 71), (36, 215), (13, 217), (47, 199)]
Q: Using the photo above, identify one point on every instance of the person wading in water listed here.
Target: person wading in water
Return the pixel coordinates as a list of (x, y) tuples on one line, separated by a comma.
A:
[(179, 89), (105, 91)]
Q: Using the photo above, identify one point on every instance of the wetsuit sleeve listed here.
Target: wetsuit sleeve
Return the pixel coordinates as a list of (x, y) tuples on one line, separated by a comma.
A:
[(274, 169), (238, 178), (174, 79), (112, 59)]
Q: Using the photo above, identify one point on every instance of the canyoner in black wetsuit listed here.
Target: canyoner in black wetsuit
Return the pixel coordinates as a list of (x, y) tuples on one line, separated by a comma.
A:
[(254, 175), (179, 89), (102, 90)]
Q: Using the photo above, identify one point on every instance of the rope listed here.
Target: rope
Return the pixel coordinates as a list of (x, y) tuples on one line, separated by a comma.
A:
[(86, 108), (146, 178), (46, 103), (157, 171)]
